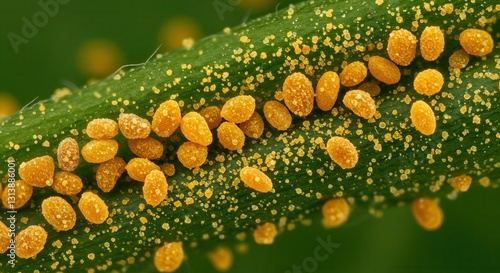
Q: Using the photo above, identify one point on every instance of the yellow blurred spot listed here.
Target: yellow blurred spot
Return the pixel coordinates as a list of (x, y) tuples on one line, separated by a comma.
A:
[(258, 5), (221, 258), (8, 105), (175, 30), (99, 58)]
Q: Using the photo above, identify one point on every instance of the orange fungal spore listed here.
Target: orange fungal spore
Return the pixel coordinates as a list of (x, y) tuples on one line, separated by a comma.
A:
[(68, 154), (93, 208), (384, 70), (238, 109), (155, 188), (253, 127), (460, 183), (327, 90), (353, 74), (298, 94), (402, 47), (148, 147), (59, 213), (195, 128), (427, 213), (4, 238), (459, 59), (67, 183), (230, 136), (431, 43), (476, 42), (132, 126), (277, 115), (166, 119), (139, 168), (102, 128), (100, 150), (108, 173), (335, 212), (361, 103), (256, 179), (264, 234), (22, 194), (422, 117), (428, 82), (38, 172), (212, 116), (169, 257), (192, 155), (30, 241), (342, 152)]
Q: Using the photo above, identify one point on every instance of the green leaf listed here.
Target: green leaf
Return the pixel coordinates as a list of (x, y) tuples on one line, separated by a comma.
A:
[(397, 164)]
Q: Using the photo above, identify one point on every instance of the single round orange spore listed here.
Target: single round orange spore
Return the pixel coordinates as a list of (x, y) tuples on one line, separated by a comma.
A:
[(221, 258), (38, 172), (230, 136), (353, 74), (4, 238), (192, 155), (102, 128), (427, 213), (100, 150), (431, 43), (30, 242), (422, 117), (402, 47), (428, 82), (59, 213), (212, 115), (195, 128), (459, 59), (148, 147), (155, 188), (335, 212), (371, 88), (67, 183), (168, 168), (169, 257), (460, 183), (298, 94), (93, 208), (256, 179), (132, 126), (108, 173), (19, 195), (167, 118), (361, 103), (68, 154), (277, 115), (327, 90), (342, 152), (384, 70), (264, 234), (254, 127), (238, 109), (139, 168), (476, 42)]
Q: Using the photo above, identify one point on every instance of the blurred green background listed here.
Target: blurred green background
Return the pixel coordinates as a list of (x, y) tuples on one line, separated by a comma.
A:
[(88, 40)]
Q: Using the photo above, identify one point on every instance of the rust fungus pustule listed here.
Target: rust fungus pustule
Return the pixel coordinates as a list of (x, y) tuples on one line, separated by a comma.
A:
[(342, 152), (460, 183), (100, 150), (4, 238), (38, 172), (148, 147), (221, 258), (476, 42), (230, 136), (238, 109), (155, 188), (30, 242), (431, 43), (256, 179), (384, 70), (353, 74), (169, 257), (361, 103), (139, 168), (192, 155), (108, 173), (277, 115), (195, 128), (335, 212), (59, 213), (22, 194), (67, 183), (427, 213), (298, 94), (212, 116), (459, 59), (422, 117), (253, 127), (166, 119), (93, 208), (327, 90), (264, 234), (68, 154), (428, 82), (102, 128), (402, 47), (132, 126)]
